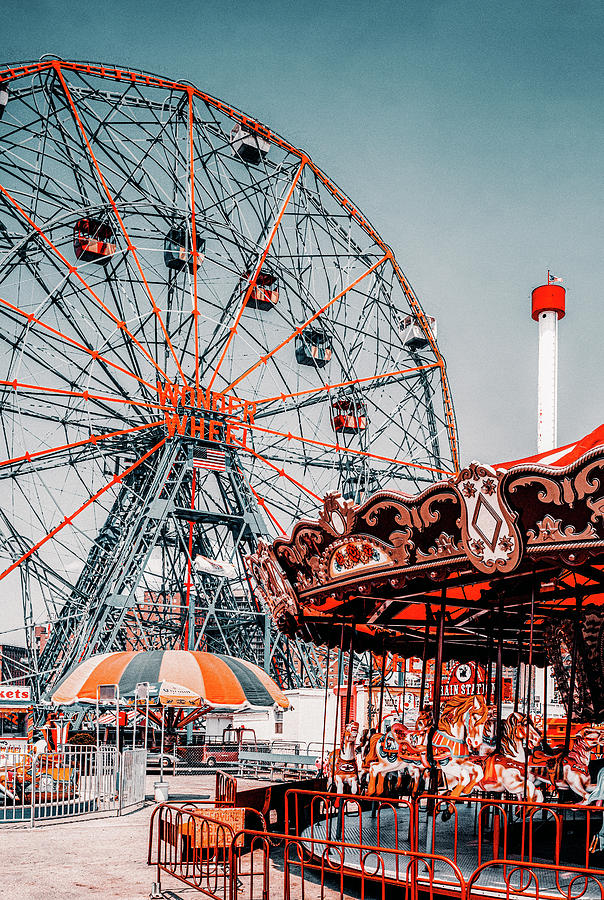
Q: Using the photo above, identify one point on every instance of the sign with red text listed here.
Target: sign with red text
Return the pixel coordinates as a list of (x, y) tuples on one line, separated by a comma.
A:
[(205, 415), (14, 695)]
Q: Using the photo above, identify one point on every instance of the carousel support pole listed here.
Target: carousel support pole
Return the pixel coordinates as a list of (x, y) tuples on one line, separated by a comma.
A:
[(382, 685), (422, 689), (404, 690), (335, 732), (325, 709), (438, 677), (350, 675), (518, 668), (573, 675), (489, 685), (499, 685), (340, 829), (370, 693), (544, 739), (498, 722), (337, 715), (438, 671), (527, 748), (475, 685)]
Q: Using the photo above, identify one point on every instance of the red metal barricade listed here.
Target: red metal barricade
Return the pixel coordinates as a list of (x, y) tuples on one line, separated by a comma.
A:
[(476, 848)]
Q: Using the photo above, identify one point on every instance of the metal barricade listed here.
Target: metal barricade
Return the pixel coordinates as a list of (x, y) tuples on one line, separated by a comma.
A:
[(79, 780), (132, 778), (476, 830), (107, 778), (16, 776), (225, 791)]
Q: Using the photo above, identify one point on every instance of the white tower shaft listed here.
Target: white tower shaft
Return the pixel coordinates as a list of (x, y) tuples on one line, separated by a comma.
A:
[(547, 392)]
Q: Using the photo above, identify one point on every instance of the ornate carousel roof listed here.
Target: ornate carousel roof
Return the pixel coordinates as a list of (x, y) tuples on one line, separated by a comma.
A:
[(489, 546)]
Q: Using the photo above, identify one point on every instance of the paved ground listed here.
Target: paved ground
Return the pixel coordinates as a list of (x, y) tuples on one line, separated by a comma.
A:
[(87, 859), (106, 858)]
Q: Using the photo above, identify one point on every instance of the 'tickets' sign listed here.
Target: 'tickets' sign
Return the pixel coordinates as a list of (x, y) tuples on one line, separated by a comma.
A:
[(14, 695)]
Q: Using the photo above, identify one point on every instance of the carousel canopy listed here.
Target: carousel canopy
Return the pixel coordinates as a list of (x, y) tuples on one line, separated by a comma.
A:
[(503, 551), (185, 678)]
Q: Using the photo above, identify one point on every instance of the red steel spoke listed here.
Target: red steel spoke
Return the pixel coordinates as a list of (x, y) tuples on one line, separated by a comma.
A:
[(282, 472), (69, 519), (264, 505), (340, 447), (93, 439), (130, 245), (74, 271), (93, 353), (339, 384), (264, 359), (84, 395), (233, 330), (195, 312)]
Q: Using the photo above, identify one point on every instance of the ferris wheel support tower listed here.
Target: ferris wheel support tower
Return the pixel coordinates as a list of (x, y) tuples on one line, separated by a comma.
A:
[(548, 305)]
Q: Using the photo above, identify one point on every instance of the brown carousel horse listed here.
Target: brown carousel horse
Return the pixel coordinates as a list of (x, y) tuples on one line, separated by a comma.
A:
[(505, 771), (343, 762)]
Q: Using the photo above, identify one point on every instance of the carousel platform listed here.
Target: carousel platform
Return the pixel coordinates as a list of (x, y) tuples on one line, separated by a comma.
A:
[(450, 856)]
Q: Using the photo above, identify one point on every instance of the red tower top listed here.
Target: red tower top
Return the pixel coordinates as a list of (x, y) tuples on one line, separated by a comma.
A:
[(549, 298)]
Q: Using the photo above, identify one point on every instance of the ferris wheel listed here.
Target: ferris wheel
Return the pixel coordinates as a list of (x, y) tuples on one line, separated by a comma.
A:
[(202, 336)]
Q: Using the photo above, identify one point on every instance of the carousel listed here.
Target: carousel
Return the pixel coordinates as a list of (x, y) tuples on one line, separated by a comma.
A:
[(497, 567)]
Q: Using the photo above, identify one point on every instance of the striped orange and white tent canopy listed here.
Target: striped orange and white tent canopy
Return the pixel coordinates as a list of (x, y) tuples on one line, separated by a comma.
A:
[(183, 678)]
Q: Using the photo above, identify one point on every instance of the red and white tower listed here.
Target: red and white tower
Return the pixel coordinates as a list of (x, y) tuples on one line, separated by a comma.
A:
[(549, 305)]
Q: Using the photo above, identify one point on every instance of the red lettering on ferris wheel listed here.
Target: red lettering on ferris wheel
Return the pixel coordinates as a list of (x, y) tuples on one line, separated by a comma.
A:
[(195, 399)]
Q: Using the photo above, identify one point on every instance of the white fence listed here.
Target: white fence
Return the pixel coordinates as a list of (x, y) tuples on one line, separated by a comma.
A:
[(72, 782)]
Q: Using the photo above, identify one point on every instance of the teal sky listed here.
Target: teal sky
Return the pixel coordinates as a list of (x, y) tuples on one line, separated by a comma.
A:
[(470, 133)]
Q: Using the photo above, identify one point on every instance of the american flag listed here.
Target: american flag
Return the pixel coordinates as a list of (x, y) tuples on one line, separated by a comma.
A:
[(210, 459)]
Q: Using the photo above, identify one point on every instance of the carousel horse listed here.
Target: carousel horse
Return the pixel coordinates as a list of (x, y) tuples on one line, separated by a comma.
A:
[(460, 731), (597, 797), (413, 757), (571, 770), (343, 762), (404, 751), (382, 756), (506, 771)]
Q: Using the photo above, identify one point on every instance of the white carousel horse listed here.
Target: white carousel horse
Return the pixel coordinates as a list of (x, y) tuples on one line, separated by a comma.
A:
[(382, 756), (343, 762), (460, 730)]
